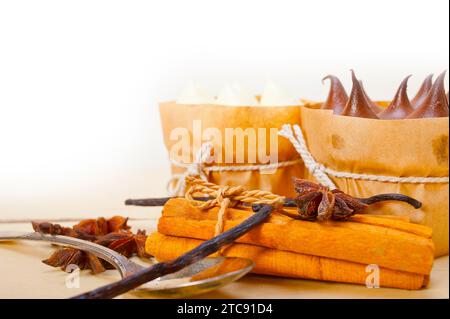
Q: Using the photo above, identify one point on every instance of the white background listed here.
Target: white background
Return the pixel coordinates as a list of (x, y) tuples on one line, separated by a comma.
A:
[(80, 80)]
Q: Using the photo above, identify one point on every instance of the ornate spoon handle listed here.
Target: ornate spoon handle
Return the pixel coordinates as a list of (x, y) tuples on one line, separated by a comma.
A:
[(123, 265)]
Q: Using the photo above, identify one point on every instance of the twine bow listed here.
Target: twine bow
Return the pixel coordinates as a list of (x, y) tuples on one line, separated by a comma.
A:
[(177, 184), (201, 167), (226, 196)]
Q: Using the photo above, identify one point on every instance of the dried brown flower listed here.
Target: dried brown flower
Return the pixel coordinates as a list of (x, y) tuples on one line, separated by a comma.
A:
[(113, 233)]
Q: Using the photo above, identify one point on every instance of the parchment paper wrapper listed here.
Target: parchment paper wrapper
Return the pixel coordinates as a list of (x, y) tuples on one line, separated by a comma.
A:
[(400, 148), (221, 117)]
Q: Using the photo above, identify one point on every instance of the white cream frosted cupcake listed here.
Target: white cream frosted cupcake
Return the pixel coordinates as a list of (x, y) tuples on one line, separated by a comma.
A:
[(195, 94), (274, 95), (235, 95)]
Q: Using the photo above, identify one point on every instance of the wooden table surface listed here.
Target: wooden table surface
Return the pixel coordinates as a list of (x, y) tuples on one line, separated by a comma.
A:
[(23, 275)]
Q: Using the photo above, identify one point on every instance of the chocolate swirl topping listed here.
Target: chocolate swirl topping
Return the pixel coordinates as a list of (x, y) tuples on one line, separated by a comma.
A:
[(337, 97), (358, 104), (435, 104), (400, 106), (423, 92)]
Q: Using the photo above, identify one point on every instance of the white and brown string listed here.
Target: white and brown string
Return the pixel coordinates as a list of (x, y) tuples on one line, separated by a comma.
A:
[(176, 185), (322, 173), (200, 167), (226, 197)]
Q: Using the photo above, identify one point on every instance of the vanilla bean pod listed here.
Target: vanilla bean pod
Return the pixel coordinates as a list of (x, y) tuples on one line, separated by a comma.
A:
[(161, 201), (150, 202), (147, 201), (316, 201), (202, 251), (391, 197), (288, 202)]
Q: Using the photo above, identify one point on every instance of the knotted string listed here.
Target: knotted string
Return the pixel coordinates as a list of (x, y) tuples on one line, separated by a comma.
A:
[(225, 197), (177, 184), (323, 173), (201, 167)]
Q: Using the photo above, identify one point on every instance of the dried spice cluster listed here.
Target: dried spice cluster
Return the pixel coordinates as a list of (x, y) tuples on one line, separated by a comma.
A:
[(315, 201), (318, 202), (113, 233)]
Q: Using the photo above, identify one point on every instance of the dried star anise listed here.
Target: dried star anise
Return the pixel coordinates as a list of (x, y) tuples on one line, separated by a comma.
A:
[(316, 201), (113, 233)]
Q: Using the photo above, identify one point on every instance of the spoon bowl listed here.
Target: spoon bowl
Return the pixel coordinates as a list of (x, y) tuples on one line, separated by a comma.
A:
[(204, 276)]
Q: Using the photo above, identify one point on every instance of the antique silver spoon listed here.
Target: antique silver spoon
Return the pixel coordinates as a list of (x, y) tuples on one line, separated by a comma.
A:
[(205, 275)]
